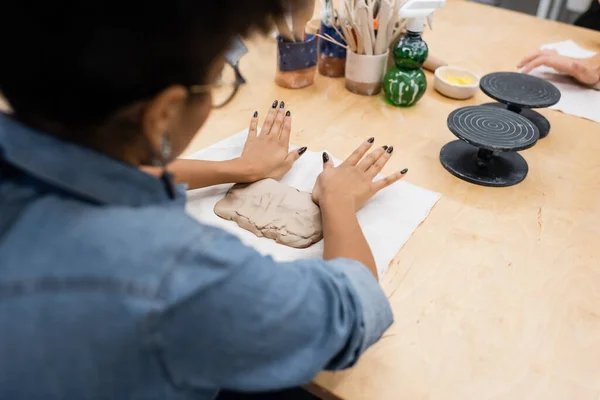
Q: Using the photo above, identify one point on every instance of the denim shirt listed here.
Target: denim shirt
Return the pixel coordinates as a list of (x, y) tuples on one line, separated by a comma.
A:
[(109, 290)]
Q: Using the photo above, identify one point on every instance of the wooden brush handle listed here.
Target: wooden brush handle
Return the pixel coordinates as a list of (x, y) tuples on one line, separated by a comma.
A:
[(300, 17), (432, 63), (284, 30)]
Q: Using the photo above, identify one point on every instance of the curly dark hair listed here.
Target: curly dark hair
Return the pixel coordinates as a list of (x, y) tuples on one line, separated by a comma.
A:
[(76, 62)]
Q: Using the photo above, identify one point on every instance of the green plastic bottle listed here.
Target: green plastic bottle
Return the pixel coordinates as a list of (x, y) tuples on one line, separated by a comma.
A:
[(405, 83)]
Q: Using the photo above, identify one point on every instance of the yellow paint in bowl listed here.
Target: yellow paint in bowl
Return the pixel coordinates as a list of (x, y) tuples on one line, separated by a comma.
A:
[(463, 80)]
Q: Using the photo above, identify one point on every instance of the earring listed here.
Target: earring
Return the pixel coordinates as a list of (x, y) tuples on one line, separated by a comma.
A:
[(164, 155), (166, 150)]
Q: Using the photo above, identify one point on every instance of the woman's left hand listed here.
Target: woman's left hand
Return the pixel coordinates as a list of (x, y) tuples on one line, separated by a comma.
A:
[(267, 155)]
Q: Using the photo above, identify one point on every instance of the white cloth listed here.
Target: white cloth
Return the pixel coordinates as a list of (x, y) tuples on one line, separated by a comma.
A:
[(576, 99), (388, 220)]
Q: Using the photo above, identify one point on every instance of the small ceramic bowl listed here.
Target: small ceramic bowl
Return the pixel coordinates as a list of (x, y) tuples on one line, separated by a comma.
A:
[(456, 83)]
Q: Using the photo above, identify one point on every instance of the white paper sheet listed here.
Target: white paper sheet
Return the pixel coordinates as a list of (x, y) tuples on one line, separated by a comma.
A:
[(576, 99), (388, 220)]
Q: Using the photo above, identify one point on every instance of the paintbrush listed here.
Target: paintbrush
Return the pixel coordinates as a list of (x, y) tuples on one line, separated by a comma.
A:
[(326, 15), (284, 29), (365, 25), (355, 24), (300, 17), (349, 36), (384, 16), (394, 20), (397, 33), (371, 18)]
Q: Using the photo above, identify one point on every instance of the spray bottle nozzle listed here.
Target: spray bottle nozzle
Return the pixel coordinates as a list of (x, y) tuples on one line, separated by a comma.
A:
[(419, 11)]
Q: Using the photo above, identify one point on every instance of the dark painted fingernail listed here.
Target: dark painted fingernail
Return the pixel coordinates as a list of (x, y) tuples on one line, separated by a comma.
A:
[(302, 150), (371, 140), (255, 114), (390, 149), (385, 147), (275, 104), (404, 171), (281, 105), (325, 157), (287, 114)]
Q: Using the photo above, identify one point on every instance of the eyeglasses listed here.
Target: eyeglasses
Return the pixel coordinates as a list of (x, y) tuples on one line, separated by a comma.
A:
[(225, 89)]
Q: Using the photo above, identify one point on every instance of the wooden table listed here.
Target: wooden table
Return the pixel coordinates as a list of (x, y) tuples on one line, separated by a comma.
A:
[(497, 294)]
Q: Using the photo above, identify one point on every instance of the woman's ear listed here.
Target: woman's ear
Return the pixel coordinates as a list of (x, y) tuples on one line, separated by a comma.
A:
[(160, 115)]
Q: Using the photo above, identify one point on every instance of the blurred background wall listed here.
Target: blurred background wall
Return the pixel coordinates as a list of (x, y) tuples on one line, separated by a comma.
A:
[(561, 10)]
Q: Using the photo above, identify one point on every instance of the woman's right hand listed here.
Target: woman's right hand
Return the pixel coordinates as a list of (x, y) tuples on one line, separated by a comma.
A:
[(267, 155), (352, 181)]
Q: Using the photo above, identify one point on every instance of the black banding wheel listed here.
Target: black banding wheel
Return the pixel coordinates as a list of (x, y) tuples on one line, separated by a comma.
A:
[(520, 90), (490, 136), (538, 119), (464, 161), (519, 93), (492, 128)]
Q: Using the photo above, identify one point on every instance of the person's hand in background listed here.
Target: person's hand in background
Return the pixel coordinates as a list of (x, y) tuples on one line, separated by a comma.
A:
[(584, 70)]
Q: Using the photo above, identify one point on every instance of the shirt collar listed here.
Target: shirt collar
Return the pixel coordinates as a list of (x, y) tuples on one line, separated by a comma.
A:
[(84, 172)]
